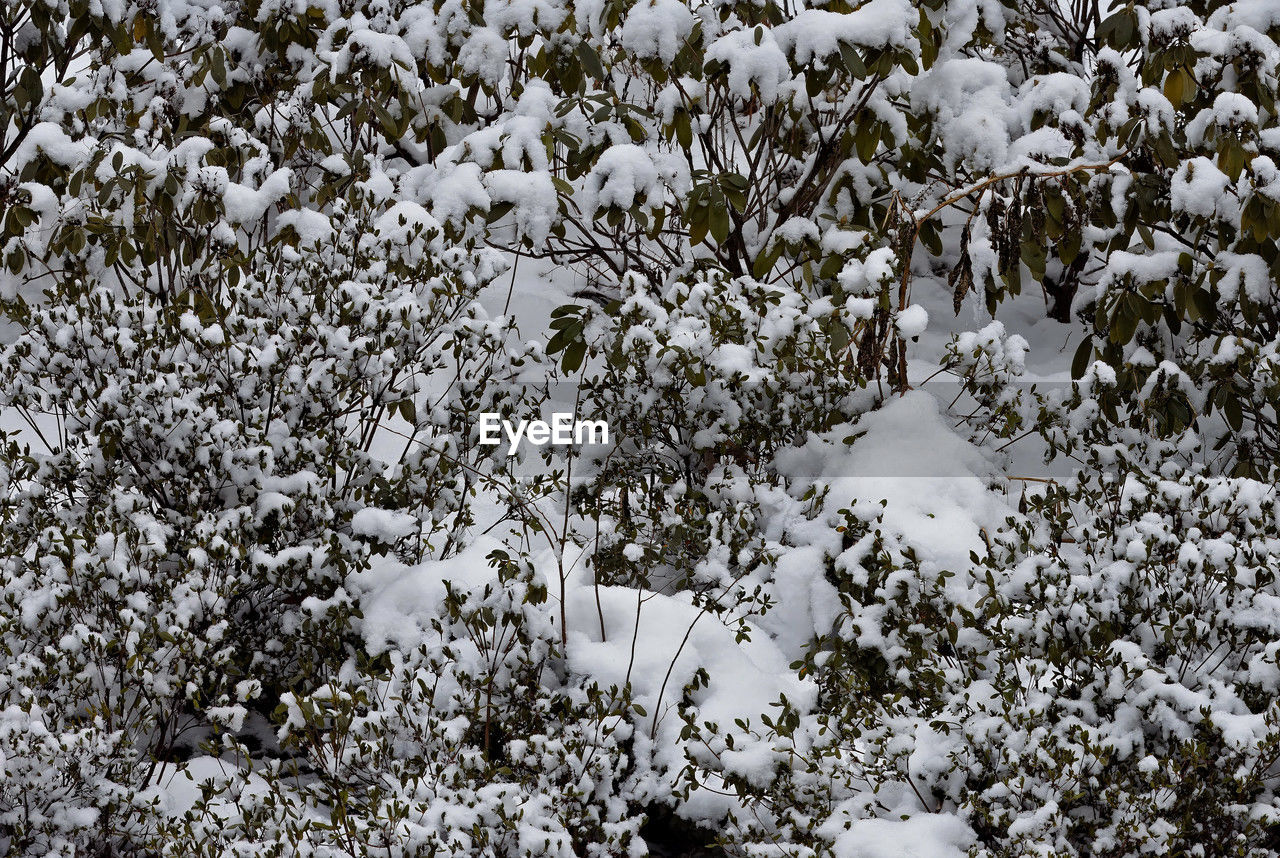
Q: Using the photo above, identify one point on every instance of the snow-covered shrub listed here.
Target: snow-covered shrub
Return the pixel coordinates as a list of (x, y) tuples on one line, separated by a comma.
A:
[(1103, 681), (176, 552), (886, 668), (472, 741), (1187, 299), (1109, 690), (987, 365), (658, 138), (704, 386), (1127, 698)]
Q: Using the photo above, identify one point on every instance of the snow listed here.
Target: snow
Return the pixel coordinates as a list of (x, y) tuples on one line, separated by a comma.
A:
[(484, 55), (48, 139), (367, 46), (819, 33), (181, 790), (796, 230), (652, 640), (656, 28), (1168, 24), (244, 205), (398, 601), (912, 321), (409, 230), (809, 600), (1233, 110), (1145, 267), (864, 276), (763, 66), (533, 196), (675, 638), (312, 226), (623, 176), (384, 525), (921, 836), (1039, 146), (1231, 113), (969, 101), (1051, 95), (1247, 272), (932, 481), (452, 194), (1200, 188)]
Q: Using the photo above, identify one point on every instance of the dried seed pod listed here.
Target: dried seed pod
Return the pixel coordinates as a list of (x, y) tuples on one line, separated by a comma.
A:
[(995, 214), (960, 281), (961, 277), (869, 346), (1013, 221), (1035, 208)]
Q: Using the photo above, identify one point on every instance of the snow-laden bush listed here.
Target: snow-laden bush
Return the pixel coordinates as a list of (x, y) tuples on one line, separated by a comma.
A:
[(704, 386), (257, 486), (1184, 311), (1128, 699), (651, 138), (1102, 681), (177, 552), (474, 741)]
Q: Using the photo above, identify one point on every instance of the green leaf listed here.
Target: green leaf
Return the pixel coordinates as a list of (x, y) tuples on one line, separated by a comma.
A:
[(1179, 87), (764, 263), (1234, 413), (684, 129), (1054, 203), (1080, 362), (1147, 238), (839, 336), (30, 81), (590, 60), (852, 61), (219, 68), (388, 122), (866, 141), (931, 238), (120, 40), (1118, 29), (1204, 303), (698, 226), (1124, 323), (719, 216), (1069, 247), (573, 356), (564, 338), (1034, 257)]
